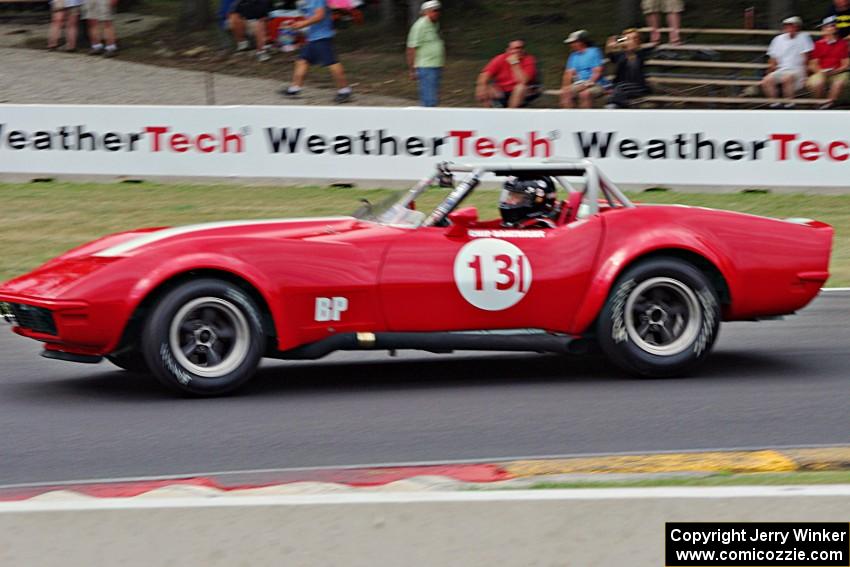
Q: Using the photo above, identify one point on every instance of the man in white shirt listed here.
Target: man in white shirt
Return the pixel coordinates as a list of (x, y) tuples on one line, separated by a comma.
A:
[(788, 55)]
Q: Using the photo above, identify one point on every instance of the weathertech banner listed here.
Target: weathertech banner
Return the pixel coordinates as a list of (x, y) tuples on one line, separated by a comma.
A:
[(654, 147)]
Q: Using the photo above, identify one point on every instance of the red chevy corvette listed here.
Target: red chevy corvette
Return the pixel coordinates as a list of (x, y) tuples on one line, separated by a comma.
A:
[(199, 306)]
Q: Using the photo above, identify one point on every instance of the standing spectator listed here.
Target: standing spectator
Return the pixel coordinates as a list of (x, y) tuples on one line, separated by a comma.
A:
[(788, 53), (582, 78), (319, 50), (829, 63), (627, 56), (510, 79), (254, 11), (65, 12), (99, 14), (652, 9), (841, 11), (426, 53)]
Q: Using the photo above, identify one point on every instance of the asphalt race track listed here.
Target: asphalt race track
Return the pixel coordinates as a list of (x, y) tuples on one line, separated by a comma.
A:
[(775, 383)]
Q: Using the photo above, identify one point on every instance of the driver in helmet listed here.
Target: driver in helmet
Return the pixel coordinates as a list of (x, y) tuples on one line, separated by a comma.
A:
[(528, 203)]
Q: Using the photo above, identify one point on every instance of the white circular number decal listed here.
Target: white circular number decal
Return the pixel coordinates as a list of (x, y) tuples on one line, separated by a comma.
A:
[(492, 274)]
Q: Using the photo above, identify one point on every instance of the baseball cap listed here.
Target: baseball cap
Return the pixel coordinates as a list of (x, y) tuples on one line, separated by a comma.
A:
[(430, 5), (578, 35), (829, 21), (793, 21)]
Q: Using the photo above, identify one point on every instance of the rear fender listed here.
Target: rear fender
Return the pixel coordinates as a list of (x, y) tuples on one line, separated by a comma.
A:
[(615, 259)]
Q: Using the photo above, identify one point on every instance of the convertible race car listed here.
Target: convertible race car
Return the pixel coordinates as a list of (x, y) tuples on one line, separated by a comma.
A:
[(199, 306)]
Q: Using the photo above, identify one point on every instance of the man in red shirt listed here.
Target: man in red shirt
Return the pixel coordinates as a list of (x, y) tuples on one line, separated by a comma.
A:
[(829, 63), (510, 79)]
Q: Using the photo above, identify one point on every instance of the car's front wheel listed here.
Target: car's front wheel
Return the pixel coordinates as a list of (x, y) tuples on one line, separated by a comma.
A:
[(204, 337), (661, 318)]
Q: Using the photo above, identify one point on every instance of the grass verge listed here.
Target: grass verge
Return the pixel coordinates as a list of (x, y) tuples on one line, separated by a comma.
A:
[(41, 220), (749, 479)]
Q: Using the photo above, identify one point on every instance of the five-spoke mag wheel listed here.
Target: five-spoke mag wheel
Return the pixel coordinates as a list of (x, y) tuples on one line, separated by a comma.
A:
[(661, 318), (204, 337)]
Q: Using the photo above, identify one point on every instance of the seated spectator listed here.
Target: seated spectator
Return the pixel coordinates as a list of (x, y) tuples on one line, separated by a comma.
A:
[(583, 79), (255, 12), (841, 11), (628, 58), (510, 79), (64, 12), (652, 9), (788, 53), (829, 63)]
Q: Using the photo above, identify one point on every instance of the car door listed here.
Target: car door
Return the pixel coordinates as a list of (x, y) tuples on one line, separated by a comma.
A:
[(448, 279)]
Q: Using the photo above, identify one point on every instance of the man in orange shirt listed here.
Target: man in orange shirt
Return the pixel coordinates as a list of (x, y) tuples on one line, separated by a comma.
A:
[(510, 79)]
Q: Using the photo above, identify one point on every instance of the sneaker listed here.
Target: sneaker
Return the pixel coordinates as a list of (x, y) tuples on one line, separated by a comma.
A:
[(826, 105), (342, 97), (789, 106), (263, 56), (290, 91), (96, 50), (243, 45), (775, 105)]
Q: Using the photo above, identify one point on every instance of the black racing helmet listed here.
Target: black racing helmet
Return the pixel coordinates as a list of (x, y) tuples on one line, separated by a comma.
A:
[(526, 198)]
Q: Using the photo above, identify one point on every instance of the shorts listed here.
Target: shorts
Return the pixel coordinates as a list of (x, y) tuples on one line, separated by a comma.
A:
[(59, 5), (662, 6), (778, 76), (533, 93), (100, 10), (820, 78), (319, 52), (252, 9), (596, 90)]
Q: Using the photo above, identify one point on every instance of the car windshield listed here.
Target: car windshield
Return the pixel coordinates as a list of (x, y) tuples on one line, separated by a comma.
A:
[(396, 210)]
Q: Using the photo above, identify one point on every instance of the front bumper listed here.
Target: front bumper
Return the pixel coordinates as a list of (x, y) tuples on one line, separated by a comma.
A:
[(63, 325)]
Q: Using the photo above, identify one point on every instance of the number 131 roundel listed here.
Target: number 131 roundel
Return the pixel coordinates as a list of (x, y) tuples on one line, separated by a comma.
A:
[(492, 274)]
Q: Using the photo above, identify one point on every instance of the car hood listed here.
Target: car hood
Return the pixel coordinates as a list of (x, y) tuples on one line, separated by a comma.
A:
[(130, 243), (60, 273)]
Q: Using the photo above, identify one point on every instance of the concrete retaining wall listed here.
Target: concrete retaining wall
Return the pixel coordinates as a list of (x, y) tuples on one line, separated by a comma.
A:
[(543, 527)]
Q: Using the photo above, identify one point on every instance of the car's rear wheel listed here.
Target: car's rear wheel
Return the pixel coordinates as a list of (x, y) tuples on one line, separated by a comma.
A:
[(661, 318), (204, 338), (130, 360)]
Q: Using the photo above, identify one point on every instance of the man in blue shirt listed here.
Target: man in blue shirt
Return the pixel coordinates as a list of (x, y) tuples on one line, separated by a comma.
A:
[(583, 79), (319, 49)]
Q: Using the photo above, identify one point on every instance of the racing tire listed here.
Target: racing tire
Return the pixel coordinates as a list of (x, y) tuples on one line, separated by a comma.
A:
[(661, 319), (204, 338), (129, 360)]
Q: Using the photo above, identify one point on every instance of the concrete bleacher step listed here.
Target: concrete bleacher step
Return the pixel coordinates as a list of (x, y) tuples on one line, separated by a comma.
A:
[(711, 47), (705, 64), (732, 100), (703, 81)]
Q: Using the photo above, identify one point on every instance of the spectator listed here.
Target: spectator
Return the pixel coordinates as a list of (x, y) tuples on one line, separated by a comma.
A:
[(583, 78), (652, 10), (65, 12), (829, 63), (426, 53), (319, 50), (254, 11), (841, 11), (628, 58), (510, 79), (788, 53), (98, 14)]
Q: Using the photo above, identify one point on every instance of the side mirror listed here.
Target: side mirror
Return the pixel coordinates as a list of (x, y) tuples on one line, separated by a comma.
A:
[(461, 220)]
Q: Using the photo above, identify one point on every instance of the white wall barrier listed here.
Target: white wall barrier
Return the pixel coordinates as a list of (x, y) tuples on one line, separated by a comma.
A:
[(662, 147), (589, 527)]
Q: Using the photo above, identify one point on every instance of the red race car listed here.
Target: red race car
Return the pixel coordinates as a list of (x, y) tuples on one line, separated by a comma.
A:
[(199, 306)]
